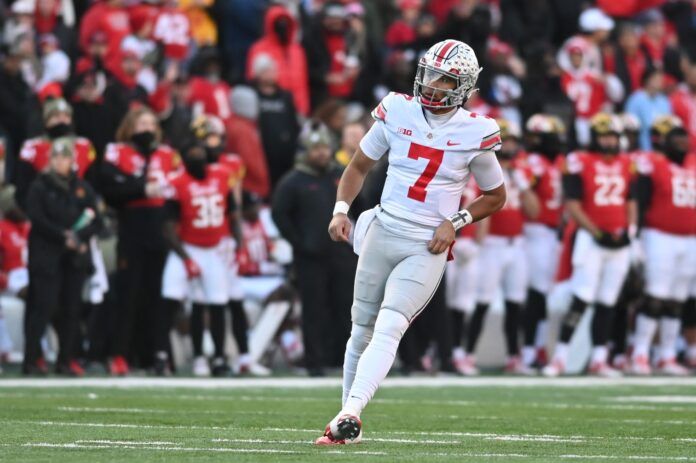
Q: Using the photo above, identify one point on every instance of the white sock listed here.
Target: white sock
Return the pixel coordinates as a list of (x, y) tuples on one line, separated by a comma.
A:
[(528, 355), (377, 360), (669, 332), (5, 341), (359, 339), (540, 336), (600, 354), (458, 353), (561, 353), (643, 338)]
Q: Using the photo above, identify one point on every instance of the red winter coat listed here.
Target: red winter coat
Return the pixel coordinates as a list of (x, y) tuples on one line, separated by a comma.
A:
[(290, 60), (627, 8), (113, 21), (243, 139)]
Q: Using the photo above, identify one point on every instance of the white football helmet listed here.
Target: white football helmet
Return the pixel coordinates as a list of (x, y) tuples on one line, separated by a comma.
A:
[(453, 59)]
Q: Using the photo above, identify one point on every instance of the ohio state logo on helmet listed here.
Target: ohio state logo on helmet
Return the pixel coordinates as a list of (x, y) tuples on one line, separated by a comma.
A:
[(446, 60)]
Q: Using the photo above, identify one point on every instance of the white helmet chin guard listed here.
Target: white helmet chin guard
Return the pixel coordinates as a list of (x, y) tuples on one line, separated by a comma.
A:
[(451, 59)]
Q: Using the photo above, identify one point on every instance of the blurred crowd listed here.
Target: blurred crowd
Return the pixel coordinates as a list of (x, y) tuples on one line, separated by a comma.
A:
[(112, 112)]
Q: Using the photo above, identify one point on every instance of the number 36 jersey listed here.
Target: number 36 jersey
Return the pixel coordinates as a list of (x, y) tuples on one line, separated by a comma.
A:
[(203, 205), (428, 167)]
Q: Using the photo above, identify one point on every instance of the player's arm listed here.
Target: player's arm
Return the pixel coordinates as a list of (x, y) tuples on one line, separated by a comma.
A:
[(171, 237), (234, 214), (372, 147), (528, 198), (632, 211), (572, 190), (489, 177)]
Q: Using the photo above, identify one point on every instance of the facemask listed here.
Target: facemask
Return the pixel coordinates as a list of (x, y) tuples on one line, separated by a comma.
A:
[(59, 130), (213, 153), (196, 167), (144, 142)]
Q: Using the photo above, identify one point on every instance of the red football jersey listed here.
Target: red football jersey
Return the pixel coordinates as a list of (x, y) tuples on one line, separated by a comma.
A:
[(210, 97), (37, 152), (586, 91), (605, 187), (508, 221), (173, 30), (203, 205), (672, 207), (256, 250), (547, 186), (163, 162), (13, 244)]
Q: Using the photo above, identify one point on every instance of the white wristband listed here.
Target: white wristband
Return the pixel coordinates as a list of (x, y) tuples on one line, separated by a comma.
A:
[(341, 207), (460, 219)]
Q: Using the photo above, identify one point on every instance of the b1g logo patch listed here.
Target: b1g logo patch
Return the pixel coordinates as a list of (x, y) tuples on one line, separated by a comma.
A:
[(407, 132)]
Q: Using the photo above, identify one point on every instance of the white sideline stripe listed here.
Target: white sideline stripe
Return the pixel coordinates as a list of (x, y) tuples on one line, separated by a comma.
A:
[(110, 410), (657, 399), (304, 383), (123, 442), (76, 445)]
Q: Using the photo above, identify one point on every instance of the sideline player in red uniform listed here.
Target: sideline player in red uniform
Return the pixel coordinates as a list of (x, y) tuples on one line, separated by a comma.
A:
[(195, 230), (598, 192), (667, 195), (502, 260), (544, 141)]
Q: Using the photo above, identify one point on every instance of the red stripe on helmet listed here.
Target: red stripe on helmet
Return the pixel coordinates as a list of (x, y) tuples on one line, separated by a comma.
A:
[(443, 51)]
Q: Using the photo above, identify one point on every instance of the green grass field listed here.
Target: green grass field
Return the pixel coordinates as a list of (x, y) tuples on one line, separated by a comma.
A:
[(426, 419)]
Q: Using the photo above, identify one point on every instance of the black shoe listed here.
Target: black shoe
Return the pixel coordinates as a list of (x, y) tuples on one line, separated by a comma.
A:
[(219, 368), (38, 368), (161, 366)]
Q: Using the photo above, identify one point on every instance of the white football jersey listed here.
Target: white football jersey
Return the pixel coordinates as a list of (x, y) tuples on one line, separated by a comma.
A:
[(428, 168)]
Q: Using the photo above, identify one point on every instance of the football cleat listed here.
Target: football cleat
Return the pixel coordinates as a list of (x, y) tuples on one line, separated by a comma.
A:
[(553, 369), (344, 429), (515, 366), (621, 362), (201, 367), (72, 368), (671, 368), (640, 366), (603, 370), (542, 358), (466, 366)]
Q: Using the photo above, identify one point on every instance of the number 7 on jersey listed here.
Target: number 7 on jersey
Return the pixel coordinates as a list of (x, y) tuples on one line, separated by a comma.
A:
[(434, 156)]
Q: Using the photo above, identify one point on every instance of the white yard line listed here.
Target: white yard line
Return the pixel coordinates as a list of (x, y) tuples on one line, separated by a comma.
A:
[(656, 399), (305, 383)]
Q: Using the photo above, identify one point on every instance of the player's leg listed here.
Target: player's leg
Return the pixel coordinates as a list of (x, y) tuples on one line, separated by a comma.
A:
[(587, 263), (408, 290), (373, 268), (689, 323), (175, 288), (514, 282), (491, 262), (464, 302), (612, 277)]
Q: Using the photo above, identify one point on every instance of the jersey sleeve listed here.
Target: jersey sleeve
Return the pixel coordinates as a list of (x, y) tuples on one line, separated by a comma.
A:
[(375, 142), (380, 112), (487, 171), (491, 140)]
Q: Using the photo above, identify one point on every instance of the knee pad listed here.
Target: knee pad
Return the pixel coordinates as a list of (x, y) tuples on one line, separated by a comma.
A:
[(672, 309), (391, 323), (651, 307), (689, 313)]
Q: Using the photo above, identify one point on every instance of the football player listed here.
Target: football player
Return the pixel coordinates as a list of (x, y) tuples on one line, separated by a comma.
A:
[(599, 197), (433, 146), (502, 260), (545, 136), (667, 195), (196, 267), (461, 277)]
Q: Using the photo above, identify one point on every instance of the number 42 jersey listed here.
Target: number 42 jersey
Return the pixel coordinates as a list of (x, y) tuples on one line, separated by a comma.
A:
[(428, 167)]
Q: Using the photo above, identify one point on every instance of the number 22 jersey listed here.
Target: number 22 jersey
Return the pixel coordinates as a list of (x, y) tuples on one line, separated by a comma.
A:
[(428, 167)]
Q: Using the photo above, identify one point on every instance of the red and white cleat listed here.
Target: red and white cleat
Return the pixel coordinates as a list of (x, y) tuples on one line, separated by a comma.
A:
[(621, 362), (553, 369), (604, 370), (542, 357), (342, 430), (118, 366), (466, 366), (640, 366), (515, 366), (671, 368)]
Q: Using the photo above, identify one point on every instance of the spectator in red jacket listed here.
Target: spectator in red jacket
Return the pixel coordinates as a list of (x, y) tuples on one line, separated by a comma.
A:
[(402, 32), (280, 43), (110, 17), (243, 138), (629, 60)]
